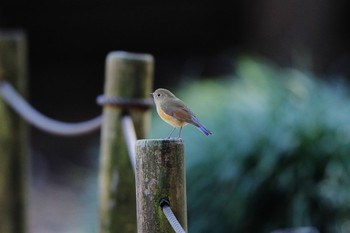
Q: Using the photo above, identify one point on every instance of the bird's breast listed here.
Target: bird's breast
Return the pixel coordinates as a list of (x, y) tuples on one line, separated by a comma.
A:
[(170, 119)]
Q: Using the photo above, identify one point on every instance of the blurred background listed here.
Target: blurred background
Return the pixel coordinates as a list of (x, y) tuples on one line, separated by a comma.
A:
[(274, 75)]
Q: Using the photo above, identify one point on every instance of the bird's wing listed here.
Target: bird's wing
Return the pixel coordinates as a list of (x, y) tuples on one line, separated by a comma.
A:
[(179, 110)]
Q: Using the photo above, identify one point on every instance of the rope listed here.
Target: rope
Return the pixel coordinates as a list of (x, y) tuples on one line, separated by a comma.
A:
[(130, 139), (38, 120), (165, 205), (124, 102)]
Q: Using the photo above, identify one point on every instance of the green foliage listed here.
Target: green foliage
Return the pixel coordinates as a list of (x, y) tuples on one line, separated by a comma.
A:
[(279, 153)]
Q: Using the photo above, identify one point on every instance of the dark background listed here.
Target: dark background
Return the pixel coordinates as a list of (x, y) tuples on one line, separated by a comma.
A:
[(68, 42)]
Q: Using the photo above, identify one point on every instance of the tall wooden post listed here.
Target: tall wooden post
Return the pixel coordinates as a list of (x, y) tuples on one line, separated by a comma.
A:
[(128, 76), (160, 174), (13, 136)]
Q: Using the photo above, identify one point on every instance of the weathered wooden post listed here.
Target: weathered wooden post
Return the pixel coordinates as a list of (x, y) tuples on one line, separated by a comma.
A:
[(13, 135), (160, 174), (129, 77)]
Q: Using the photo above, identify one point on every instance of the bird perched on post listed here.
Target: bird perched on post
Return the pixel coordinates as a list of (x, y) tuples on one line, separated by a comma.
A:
[(174, 112)]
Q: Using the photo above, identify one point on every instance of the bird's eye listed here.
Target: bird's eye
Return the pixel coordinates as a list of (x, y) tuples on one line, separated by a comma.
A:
[(158, 95)]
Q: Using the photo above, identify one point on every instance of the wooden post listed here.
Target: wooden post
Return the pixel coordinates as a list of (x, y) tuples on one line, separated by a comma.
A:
[(128, 76), (160, 173), (13, 136)]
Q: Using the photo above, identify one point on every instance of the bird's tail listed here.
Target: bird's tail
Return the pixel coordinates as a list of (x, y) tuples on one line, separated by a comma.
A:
[(200, 126), (204, 130)]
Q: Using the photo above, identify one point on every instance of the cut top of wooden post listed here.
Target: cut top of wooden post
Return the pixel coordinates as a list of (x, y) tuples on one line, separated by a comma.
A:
[(159, 142), (129, 74), (130, 56)]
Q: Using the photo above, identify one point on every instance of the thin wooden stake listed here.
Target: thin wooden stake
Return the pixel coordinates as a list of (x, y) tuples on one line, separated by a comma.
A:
[(13, 136), (128, 76), (160, 174)]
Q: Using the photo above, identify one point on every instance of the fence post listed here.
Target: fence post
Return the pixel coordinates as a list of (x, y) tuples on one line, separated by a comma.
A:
[(128, 76), (13, 136), (160, 173)]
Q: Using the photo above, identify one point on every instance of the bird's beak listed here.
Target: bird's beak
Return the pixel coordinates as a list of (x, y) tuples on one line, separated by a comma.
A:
[(151, 93)]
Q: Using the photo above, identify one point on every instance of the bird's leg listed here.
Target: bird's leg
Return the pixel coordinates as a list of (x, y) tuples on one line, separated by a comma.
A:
[(171, 133), (178, 137)]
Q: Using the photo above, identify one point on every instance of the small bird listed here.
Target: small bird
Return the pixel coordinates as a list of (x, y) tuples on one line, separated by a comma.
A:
[(174, 112)]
